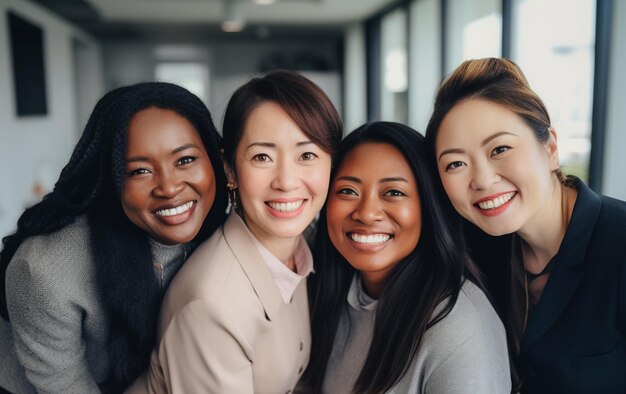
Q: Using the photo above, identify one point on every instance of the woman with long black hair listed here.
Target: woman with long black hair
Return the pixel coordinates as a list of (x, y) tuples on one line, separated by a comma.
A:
[(395, 306), (83, 276)]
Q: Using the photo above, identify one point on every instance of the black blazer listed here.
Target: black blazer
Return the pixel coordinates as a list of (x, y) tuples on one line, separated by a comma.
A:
[(575, 340)]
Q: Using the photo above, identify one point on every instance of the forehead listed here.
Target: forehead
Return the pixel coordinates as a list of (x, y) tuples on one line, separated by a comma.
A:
[(158, 127), (473, 120), (269, 122), (375, 160)]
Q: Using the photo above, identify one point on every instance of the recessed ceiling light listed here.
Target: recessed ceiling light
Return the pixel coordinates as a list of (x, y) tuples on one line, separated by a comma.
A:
[(232, 26), (264, 2)]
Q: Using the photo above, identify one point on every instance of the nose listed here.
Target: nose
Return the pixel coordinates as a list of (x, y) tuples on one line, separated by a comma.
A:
[(286, 177), (169, 185), (369, 210), (483, 177)]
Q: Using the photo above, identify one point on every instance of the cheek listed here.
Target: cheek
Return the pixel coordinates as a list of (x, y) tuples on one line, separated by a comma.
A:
[(205, 179), (318, 179), (133, 196), (250, 183), (454, 188), (336, 211), (410, 218)]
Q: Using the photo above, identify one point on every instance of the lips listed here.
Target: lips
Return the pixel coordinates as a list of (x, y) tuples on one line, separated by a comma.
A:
[(369, 239), (289, 206), (176, 210), (175, 214), (495, 202)]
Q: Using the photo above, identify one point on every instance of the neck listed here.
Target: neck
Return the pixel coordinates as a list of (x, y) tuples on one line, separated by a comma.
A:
[(282, 248), (542, 235), (373, 284)]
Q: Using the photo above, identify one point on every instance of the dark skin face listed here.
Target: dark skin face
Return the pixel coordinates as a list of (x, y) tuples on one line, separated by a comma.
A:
[(374, 214), (169, 186)]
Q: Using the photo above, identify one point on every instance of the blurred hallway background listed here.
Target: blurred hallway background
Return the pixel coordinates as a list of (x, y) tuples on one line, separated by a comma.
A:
[(376, 59)]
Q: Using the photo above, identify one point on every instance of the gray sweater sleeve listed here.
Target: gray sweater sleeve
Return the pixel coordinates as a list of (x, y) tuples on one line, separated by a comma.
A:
[(469, 370), (471, 347), (47, 326)]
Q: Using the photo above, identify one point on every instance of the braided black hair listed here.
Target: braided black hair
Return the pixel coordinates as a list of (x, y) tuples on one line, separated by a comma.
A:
[(91, 184)]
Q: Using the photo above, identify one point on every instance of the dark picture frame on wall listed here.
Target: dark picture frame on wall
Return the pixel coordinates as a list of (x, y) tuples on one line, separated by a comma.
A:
[(27, 54)]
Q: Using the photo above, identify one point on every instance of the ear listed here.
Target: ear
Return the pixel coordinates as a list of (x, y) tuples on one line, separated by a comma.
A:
[(553, 149), (230, 174)]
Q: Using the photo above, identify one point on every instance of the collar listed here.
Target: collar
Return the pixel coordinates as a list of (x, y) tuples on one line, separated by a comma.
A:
[(240, 243), (164, 255), (580, 229), (357, 298), (286, 280)]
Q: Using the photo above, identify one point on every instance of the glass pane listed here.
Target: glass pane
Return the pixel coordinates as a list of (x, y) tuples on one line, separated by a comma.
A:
[(193, 76), (425, 55), (395, 78), (474, 30), (558, 62)]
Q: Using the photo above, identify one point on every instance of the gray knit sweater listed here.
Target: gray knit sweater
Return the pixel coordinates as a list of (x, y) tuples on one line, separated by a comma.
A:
[(465, 352), (55, 341)]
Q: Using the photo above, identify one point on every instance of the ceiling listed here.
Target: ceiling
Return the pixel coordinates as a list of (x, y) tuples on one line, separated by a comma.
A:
[(186, 19)]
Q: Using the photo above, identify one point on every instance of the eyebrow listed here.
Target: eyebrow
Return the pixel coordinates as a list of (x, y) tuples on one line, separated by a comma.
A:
[(384, 180), (177, 150), (483, 143), (273, 145)]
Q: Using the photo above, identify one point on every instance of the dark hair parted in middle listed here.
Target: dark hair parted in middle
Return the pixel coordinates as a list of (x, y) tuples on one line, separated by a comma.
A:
[(432, 272), (305, 103)]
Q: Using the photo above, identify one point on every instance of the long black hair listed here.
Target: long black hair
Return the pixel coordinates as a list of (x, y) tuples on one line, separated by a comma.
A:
[(91, 184), (430, 274)]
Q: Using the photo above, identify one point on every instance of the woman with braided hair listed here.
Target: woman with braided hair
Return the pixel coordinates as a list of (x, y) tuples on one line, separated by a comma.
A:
[(82, 278)]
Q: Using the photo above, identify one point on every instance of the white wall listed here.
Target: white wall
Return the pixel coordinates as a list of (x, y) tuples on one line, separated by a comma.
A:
[(230, 65), (35, 148), (614, 177)]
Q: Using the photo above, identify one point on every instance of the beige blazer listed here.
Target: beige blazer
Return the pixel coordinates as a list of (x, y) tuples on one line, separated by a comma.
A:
[(224, 327)]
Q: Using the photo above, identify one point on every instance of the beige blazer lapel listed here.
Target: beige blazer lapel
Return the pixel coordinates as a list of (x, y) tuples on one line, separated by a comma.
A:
[(242, 246)]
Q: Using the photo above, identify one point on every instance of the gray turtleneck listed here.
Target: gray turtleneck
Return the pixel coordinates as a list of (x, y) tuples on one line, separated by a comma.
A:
[(55, 341), (465, 352)]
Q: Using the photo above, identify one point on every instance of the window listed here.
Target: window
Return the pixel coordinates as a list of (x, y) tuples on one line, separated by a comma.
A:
[(394, 66), (553, 43), (473, 30)]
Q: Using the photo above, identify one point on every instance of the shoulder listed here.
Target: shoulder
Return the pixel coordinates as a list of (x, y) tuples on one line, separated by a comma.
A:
[(212, 280), (472, 318), (57, 257), (613, 214)]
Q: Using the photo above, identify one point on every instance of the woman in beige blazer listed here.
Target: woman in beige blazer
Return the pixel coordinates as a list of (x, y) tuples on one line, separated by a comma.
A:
[(235, 319)]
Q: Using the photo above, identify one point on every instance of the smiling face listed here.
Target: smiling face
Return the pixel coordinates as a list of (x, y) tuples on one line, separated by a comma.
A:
[(495, 172), (373, 212), (170, 184), (282, 177)]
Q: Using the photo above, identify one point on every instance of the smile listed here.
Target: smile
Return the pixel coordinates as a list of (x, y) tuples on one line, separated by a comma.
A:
[(175, 210), (290, 206), (496, 202), (370, 238)]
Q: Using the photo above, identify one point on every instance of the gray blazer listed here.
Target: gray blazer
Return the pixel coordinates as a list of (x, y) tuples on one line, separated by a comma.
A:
[(55, 341)]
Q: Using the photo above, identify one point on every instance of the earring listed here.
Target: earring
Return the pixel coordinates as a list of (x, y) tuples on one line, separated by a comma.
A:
[(232, 194), (556, 161)]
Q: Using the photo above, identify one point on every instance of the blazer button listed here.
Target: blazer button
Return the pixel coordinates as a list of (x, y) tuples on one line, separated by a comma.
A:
[(300, 370), (301, 345)]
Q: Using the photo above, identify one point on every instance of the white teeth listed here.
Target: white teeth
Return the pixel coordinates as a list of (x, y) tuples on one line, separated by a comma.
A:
[(370, 239), (496, 202), (176, 210), (285, 206)]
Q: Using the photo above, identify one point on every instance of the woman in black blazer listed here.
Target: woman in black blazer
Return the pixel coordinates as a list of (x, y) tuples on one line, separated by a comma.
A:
[(553, 251)]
